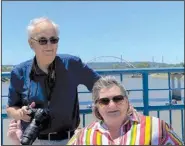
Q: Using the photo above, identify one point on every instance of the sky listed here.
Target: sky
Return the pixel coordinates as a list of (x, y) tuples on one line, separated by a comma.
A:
[(137, 31)]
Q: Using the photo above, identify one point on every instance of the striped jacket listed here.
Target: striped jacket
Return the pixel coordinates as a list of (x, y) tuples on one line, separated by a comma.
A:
[(139, 130)]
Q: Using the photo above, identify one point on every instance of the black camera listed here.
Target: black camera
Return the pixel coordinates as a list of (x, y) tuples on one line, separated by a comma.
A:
[(39, 118)]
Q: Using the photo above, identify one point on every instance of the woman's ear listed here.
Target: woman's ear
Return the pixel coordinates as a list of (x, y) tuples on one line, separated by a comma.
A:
[(129, 110), (96, 113)]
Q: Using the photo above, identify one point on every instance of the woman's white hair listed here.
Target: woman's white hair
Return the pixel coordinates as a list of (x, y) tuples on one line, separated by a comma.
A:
[(36, 21), (106, 82)]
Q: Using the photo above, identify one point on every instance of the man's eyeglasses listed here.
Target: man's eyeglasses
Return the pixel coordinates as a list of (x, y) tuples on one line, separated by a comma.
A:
[(44, 41), (105, 101)]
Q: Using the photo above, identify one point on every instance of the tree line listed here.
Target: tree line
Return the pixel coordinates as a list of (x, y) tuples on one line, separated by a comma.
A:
[(8, 68)]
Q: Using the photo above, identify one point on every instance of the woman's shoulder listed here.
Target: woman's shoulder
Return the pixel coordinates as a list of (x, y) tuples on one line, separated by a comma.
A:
[(80, 133)]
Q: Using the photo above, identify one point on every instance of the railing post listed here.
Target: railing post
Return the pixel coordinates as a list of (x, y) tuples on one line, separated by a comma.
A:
[(2, 134), (170, 91), (121, 77), (171, 85), (83, 119), (179, 76), (182, 123), (145, 93), (176, 93)]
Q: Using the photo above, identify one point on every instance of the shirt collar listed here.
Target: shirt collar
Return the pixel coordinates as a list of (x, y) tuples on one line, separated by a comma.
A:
[(37, 71), (134, 116)]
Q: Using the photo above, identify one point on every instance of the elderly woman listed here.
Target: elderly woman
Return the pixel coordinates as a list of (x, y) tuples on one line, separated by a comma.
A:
[(119, 123)]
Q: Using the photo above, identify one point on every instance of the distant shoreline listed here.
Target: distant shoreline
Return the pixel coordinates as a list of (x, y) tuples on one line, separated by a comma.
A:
[(162, 76)]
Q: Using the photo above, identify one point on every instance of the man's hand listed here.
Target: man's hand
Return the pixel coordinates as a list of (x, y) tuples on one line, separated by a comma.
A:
[(14, 131), (24, 112)]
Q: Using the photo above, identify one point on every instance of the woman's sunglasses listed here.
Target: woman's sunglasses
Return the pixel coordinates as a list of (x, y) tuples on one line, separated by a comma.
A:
[(44, 41), (105, 101)]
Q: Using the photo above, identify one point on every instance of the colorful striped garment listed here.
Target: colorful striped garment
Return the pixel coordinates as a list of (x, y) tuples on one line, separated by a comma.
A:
[(138, 130)]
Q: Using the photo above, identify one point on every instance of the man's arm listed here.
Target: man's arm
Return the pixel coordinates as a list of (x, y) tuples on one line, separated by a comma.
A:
[(18, 113), (13, 112), (14, 108), (85, 74)]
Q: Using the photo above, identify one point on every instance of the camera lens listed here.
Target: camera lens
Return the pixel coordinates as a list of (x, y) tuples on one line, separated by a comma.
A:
[(38, 121)]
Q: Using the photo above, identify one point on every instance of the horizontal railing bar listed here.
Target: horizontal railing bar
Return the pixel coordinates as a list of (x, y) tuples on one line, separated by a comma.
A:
[(130, 98), (167, 89), (166, 107), (131, 71), (141, 89), (151, 108)]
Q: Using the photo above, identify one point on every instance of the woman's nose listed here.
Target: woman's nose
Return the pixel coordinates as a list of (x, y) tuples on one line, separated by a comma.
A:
[(112, 103)]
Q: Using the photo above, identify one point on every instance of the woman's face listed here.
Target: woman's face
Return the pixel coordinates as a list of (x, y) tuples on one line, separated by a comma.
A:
[(112, 105)]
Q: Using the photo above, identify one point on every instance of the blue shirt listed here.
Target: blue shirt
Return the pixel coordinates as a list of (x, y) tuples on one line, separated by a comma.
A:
[(64, 104)]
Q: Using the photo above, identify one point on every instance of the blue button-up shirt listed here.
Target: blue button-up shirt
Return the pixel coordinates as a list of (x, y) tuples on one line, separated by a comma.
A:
[(64, 104)]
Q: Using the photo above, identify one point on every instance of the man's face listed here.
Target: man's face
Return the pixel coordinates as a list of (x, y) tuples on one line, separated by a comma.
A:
[(116, 110), (45, 52)]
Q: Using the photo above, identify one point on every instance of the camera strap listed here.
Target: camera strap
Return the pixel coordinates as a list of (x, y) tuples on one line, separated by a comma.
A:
[(50, 81)]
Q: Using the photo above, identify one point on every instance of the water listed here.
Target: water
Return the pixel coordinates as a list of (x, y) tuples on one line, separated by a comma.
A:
[(159, 97)]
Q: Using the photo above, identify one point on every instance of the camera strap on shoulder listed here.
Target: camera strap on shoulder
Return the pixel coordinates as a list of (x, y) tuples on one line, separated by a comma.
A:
[(50, 83), (51, 79)]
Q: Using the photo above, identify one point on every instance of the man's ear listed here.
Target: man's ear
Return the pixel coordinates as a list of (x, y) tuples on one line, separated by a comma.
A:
[(30, 43)]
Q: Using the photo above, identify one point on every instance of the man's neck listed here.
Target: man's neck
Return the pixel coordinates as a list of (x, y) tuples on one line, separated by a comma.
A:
[(43, 67)]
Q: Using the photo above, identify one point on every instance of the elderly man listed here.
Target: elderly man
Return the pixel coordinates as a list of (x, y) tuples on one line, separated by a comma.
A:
[(48, 81), (120, 123)]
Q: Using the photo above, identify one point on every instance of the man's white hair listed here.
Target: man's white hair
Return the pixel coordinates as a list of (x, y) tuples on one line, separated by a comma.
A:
[(36, 21)]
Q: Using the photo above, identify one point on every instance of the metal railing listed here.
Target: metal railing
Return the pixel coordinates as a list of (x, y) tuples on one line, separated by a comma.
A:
[(146, 108)]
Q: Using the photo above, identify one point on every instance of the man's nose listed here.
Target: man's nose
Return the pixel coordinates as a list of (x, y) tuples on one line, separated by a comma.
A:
[(48, 44)]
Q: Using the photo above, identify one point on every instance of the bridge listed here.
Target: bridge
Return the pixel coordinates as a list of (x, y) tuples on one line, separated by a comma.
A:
[(120, 59)]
